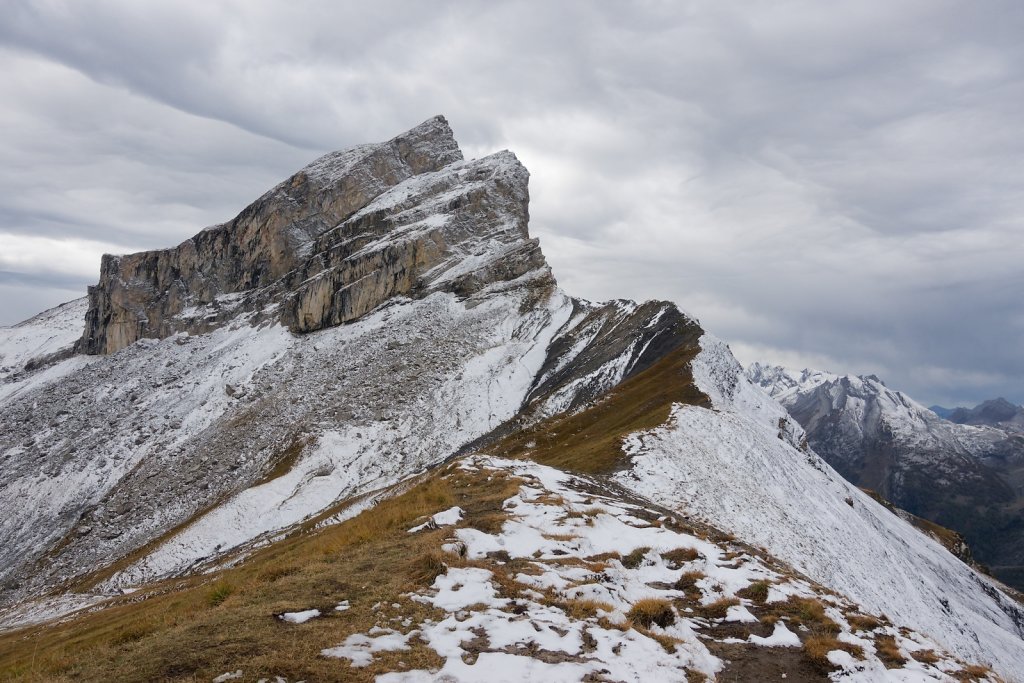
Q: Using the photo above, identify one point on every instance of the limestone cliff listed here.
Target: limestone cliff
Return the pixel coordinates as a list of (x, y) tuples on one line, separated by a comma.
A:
[(329, 244)]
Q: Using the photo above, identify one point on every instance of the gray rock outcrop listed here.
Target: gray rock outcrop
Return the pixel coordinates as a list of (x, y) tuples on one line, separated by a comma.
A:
[(330, 243)]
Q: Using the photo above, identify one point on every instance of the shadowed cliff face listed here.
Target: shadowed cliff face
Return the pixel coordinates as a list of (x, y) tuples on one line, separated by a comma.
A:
[(329, 244)]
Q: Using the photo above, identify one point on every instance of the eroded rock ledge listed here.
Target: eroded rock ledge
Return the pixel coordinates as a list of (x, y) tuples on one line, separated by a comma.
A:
[(329, 244)]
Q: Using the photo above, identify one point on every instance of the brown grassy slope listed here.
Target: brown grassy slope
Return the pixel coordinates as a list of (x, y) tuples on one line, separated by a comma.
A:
[(201, 627), (205, 626), (590, 441)]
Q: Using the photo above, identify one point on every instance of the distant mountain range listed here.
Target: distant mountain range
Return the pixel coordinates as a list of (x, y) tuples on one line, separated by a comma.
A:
[(965, 472), (997, 412)]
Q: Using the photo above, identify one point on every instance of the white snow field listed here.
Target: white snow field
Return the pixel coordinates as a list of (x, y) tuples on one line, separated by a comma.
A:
[(53, 330), (739, 466)]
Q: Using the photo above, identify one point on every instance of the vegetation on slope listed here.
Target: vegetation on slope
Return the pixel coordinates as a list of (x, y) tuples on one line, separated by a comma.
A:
[(590, 441), (202, 627)]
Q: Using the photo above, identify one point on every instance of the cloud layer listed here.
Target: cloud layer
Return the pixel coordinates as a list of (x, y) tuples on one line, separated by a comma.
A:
[(832, 184)]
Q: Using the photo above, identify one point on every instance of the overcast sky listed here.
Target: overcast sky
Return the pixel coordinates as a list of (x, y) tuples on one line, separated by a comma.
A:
[(829, 184)]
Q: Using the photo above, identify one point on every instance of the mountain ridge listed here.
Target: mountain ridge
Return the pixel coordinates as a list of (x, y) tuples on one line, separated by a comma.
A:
[(963, 477), (997, 412), (223, 421)]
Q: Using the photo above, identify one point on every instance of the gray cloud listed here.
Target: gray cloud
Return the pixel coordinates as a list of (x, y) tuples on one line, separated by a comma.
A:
[(825, 183)]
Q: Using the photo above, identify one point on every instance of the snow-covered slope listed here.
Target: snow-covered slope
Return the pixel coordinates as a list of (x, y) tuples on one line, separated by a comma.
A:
[(459, 374), (220, 427), (46, 334), (741, 467), (967, 478), (556, 525)]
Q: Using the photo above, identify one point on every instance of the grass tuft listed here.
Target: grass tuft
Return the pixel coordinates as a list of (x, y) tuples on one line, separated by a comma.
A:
[(581, 609), (973, 672), (680, 556), (863, 622), (650, 611), (219, 592), (426, 568), (756, 592), (925, 656), (888, 652), (688, 581), (809, 612), (635, 558), (719, 608), (817, 647)]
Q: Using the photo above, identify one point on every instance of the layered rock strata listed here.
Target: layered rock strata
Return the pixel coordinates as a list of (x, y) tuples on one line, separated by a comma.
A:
[(329, 244)]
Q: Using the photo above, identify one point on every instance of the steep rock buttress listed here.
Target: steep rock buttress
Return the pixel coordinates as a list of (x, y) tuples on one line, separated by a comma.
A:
[(329, 244)]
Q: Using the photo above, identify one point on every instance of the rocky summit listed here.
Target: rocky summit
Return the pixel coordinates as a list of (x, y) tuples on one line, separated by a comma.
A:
[(329, 244), (358, 432)]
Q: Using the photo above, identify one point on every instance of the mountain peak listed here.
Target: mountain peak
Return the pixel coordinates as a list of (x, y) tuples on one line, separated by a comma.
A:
[(997, 412), (351, 230), (430, 146)]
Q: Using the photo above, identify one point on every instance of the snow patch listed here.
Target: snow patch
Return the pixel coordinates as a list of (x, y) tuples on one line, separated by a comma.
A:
[(299, 617)]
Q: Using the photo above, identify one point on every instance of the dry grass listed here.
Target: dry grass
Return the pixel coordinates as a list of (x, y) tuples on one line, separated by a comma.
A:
[(635, 558), (547, 498), (817, 647), (757, 592), (590, 441), (194, 630), (427, 567), (284, 461), (582, 609), (888, 651), (667, 642), (275, 573), (650, 611), (219, 592), (973, 672), (680, 556), (604, 557), (427, 498), (688, 581), (925, 656), (863, 622), (717, 609), (809, 612)]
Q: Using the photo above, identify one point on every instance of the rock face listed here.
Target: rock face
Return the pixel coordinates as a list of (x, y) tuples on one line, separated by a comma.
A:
[(969, 479), (329, 244)]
